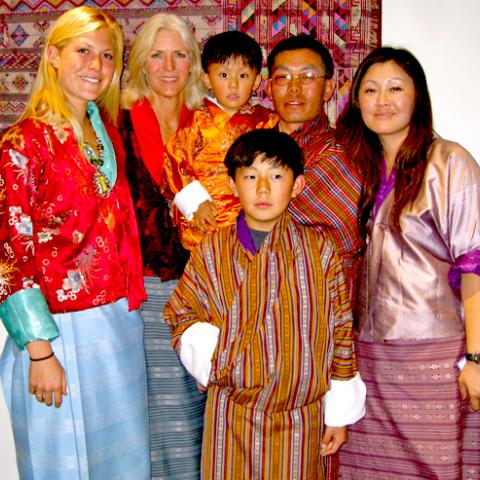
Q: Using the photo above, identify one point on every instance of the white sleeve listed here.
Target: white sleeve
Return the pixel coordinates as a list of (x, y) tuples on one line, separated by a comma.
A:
[(197, 345), (188, 199), (345, 402)]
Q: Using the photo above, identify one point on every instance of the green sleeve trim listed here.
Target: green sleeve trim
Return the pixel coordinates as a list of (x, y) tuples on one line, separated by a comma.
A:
[(27, 318)]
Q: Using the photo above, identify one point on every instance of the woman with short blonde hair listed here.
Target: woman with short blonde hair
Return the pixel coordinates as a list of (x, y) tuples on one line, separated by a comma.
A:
[(193, 92), (164, 86)]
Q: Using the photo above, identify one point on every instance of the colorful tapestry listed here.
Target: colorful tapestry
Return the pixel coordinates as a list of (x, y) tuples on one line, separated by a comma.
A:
[(349, 28)]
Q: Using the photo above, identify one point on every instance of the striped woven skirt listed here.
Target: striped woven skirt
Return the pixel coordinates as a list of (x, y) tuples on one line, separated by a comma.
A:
[(101, 430), (416, 426), (175, 404)]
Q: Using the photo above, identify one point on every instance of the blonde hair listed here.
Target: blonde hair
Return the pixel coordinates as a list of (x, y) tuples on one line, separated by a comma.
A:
[(137, 86), (48, 101)]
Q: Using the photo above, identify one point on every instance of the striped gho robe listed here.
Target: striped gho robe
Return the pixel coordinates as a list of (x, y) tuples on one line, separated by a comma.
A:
[(285, 330)]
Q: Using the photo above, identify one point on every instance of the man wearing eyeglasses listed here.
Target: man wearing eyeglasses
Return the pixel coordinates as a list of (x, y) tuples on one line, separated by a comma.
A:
[(301, 70)]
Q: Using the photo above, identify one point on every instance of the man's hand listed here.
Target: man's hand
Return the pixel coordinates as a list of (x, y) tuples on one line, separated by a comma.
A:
[(333, 439)]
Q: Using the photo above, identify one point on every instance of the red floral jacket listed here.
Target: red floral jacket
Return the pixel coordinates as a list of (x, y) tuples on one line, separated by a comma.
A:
[(56, 231)]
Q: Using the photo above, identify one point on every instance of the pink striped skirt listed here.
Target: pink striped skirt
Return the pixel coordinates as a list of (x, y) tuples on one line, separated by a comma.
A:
[(416, 426)]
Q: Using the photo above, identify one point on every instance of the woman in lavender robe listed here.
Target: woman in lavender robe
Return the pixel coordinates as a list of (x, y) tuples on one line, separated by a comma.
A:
[(418, 331)]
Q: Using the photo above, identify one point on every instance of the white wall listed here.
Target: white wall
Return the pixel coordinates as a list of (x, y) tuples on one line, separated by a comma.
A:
[(8, 469), (445, 36)]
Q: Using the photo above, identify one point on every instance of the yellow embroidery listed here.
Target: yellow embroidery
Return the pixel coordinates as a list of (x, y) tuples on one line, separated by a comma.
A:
[(6, 276), (15, 136), (3, 196), (109, 219)]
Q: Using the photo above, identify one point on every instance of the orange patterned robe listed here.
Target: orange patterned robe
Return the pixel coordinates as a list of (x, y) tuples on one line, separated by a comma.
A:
[(197, 151), (285, 330)]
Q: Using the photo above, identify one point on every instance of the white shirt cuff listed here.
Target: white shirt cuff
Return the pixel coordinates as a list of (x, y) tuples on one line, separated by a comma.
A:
[(188, 199), (461, 364), (345, 402), (197, 345)]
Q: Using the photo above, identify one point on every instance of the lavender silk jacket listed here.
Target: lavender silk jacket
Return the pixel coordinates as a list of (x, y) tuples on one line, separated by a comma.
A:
[(405, 293)]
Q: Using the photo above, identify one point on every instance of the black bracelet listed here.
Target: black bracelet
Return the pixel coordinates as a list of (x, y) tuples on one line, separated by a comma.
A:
[(42, 358)]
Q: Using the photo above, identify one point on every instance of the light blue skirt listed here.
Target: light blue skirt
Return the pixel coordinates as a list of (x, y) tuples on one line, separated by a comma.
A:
[(176, 406), (101, 430)]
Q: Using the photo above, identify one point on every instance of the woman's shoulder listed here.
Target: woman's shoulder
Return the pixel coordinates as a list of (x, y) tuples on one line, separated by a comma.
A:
[(28, 124), (33, 131), (450, 160), (443, 150)]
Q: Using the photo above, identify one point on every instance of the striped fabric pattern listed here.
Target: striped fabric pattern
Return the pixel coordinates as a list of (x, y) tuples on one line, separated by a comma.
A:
[(175, 404), (329, 201), (285, 328), (416, 426)]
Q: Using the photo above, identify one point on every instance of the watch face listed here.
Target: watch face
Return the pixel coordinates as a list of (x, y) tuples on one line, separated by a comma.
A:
[(474, 357)]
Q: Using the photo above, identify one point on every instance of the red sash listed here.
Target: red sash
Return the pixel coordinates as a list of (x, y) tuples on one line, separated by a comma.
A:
[(147, 131)]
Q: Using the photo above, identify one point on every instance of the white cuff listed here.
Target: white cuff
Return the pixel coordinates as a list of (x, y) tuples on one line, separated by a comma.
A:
[(188, 199), (461, 363), (197, 345), (345, 402)]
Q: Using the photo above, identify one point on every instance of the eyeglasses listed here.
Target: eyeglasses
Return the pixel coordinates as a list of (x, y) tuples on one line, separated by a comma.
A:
[(305, 78)]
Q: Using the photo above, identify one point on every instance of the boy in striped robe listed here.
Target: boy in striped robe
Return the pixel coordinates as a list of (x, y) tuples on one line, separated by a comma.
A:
[(261, 318)]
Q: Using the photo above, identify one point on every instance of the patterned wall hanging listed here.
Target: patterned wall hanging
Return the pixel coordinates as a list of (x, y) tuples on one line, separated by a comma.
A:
[(349, 28)]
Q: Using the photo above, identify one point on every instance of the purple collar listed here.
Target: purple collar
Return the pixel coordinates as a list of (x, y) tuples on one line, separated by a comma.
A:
[(244, 235), (386, 186)]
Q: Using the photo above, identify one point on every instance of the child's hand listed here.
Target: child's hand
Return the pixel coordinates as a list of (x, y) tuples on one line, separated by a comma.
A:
[(333, 439), (204, 217)]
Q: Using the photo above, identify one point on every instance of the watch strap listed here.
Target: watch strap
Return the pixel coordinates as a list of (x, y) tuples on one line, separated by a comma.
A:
[(473, 357)]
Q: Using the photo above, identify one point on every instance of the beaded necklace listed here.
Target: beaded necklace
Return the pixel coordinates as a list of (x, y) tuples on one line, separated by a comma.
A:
[(101, 181)]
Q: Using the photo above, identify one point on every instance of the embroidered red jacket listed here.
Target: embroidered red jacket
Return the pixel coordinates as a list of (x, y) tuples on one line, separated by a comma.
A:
[(56, 231)]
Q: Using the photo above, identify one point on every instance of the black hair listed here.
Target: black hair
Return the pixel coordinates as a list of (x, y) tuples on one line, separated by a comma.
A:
[(299, 42), (364, 145), (233, 43), (277, 147)]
